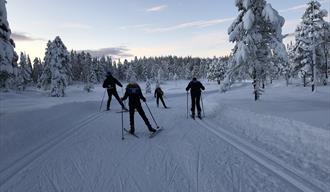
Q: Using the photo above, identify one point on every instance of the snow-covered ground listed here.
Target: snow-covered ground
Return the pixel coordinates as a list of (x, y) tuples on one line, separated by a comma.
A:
[(280, 143)]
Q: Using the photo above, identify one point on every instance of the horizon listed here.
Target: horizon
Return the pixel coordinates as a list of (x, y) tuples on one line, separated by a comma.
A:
[(125, 29)]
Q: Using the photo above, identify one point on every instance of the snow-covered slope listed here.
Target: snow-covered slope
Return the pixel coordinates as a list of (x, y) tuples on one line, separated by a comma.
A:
[(280, 143)]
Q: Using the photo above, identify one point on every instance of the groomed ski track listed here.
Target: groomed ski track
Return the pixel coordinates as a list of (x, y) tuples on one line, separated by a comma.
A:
[(189, 155)]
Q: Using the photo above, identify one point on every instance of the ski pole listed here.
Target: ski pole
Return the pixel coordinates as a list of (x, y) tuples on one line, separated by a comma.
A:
[(187, 104), (102, 100), (122, 119), (151, 115), (202, 105), (122, 124)]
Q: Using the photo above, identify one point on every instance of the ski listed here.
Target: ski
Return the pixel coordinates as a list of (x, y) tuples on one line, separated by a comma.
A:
[(155, 133), (124, 111), (131, 133)]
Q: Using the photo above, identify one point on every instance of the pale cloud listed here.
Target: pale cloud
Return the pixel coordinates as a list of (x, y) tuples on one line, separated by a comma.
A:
[(303, 6), (116, 52), (18, 36), (75, 26), (197, 24), (157, 8), (129, 27), (298, 7), (210, 44)]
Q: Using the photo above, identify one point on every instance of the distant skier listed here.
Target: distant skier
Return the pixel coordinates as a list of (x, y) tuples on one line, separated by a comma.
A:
[(134, 94), (110, 84), (195, 88), (159, 95)]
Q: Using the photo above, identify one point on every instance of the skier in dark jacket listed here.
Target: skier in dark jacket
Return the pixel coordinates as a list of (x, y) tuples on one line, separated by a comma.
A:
[(195, 88), (110, 84), (159, 95), (134, 94)]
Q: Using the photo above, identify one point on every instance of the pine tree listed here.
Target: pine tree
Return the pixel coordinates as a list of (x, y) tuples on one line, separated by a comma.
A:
[(8, 56), (313, 32), (257, 34)]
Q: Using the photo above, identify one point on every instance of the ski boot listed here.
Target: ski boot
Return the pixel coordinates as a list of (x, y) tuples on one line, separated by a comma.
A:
[(199, 115)]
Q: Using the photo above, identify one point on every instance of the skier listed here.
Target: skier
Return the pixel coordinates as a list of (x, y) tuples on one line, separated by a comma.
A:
[(159, 95), (110, 84), (134, 94), (196, 88)]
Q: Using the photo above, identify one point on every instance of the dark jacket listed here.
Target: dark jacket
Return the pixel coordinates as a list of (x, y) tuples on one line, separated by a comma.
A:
[(195, 87), (158, 92), (134, 94), (110, 83)]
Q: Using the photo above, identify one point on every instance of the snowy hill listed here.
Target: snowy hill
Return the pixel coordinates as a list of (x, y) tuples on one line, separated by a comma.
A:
[(279, 143)]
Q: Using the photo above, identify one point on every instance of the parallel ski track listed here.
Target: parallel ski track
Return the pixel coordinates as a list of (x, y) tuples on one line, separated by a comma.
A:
[(21, 163), (284, 171)]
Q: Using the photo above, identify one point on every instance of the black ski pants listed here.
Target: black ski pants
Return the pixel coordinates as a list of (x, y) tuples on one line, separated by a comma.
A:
[(115, 94), (161, 99), (195, 102), (139, 109)]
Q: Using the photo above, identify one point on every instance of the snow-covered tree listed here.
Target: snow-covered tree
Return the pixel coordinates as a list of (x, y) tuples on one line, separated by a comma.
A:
[(37, 70), (91, 77), (257, 32), (55, 75), (312, 32), (8, 56), (46, 76), (160, 76), (148, 87), (25, 71), (130, 74)]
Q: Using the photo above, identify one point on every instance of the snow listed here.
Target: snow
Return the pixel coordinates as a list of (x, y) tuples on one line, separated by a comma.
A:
[(248, 20), (279, 143)]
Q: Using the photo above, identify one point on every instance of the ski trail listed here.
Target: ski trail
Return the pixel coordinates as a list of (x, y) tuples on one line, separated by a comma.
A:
[(198, 167), (36, 153), (265, 159)]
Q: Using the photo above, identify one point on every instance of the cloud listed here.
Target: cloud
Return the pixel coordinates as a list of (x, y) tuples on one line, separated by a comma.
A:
[(157, 8), (128, 27), (116, 52), (75, 26), (198, 24), (299, 7), (17, 36)]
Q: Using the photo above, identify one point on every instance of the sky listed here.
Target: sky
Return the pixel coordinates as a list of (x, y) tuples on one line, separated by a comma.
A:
[(128, 28)]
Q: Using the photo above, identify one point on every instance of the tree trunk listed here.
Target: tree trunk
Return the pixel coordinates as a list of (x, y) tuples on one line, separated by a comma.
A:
[(255, 86), (326, 65), (304, 79)]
